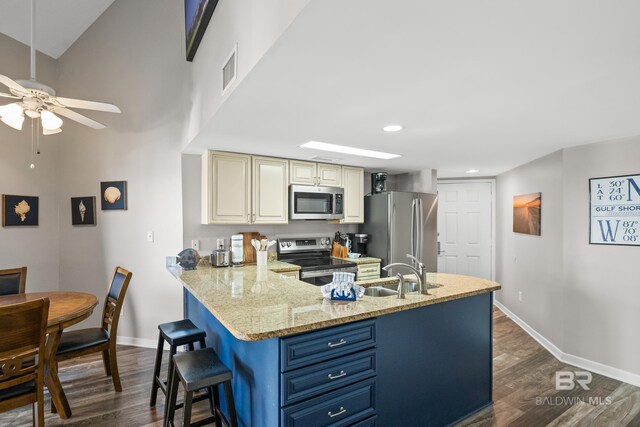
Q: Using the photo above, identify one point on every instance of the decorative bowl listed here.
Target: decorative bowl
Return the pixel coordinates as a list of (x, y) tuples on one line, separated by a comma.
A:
[(353, 255)]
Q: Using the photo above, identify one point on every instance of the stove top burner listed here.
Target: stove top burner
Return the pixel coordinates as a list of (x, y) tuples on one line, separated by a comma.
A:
[(320, 263)]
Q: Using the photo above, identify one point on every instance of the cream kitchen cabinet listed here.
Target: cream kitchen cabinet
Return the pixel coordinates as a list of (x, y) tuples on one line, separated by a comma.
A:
[(226, 188), (353, 184), (270, 192), (311, 173), (244, 189)]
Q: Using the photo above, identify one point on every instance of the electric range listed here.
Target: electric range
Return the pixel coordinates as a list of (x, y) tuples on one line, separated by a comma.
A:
[(313, 255)]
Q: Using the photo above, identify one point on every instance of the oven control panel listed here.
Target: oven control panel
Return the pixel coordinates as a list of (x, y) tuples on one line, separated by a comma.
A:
[(303, 244)]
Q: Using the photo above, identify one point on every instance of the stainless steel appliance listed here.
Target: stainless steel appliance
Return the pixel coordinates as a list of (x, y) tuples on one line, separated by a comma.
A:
[(400, 223), (220, 258), (312, 254), (358, 243), (315, 203), (378, 182)]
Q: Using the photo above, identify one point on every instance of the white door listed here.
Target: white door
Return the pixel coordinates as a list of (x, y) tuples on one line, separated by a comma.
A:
[(465, 229)]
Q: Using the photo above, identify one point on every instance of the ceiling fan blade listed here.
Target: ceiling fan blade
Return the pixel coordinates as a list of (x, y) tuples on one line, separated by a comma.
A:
[(11, 84), (70, 114), (7, 95), (87, 105)]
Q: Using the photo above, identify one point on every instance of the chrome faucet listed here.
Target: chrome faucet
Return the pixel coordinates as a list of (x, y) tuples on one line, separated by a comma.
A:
[(423, 271), (401, 284)]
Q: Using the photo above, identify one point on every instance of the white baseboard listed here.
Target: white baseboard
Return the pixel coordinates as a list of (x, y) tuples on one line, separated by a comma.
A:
[(137, 342), (589, 365)]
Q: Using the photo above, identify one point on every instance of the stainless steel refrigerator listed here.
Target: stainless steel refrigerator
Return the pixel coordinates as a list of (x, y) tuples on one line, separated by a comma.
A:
[(400, 223)]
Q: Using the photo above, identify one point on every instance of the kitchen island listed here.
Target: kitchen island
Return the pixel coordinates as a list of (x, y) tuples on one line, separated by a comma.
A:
[(299, 360)]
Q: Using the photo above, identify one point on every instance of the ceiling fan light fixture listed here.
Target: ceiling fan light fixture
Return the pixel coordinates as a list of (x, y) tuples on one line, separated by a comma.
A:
[(51, 131), (11, 115), (10, 110), (50, 121), (14, 122)]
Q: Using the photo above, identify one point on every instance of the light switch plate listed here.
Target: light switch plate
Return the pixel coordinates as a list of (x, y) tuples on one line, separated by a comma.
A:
[(150, 236), (195, 244)]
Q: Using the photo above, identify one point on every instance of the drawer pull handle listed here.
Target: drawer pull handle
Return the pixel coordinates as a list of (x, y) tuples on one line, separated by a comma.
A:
[(341, 342), (342, 411), (340, 375)]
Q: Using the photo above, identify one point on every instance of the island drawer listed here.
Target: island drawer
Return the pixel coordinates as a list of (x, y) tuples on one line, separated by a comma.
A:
[(343, 407), (369, 422), (313, 380), (314, 347)]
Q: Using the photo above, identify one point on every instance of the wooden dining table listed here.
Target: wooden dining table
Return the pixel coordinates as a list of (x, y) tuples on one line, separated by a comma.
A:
[(65, 309)]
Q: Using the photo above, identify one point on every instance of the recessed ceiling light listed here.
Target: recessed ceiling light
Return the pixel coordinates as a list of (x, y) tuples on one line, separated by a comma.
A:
[(348, 150), (473, 171), (392, 128)]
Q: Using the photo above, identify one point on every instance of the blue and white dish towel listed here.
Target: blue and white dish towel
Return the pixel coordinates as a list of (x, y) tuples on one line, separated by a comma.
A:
[(342, 283)]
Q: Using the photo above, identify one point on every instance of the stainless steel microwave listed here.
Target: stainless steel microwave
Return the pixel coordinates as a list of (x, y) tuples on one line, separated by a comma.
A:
[(314, 203)]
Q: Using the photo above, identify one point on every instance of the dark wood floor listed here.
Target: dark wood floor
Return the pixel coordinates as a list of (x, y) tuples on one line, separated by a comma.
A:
[(524, 374), (524, 392)]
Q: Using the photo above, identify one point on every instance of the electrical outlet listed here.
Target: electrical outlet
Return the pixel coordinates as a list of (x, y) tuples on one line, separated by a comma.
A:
[(219, 243), (195, 244), (150, 236), (520, 296)]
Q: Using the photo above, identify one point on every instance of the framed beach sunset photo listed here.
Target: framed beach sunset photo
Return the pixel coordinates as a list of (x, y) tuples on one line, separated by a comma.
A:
[(197, 14), (526, 213)]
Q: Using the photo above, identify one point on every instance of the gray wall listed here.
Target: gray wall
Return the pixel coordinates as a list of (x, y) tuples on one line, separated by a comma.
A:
[(601, 283), (207, 234), (143, 72), (35, 247), (581, 297), (529, 264)]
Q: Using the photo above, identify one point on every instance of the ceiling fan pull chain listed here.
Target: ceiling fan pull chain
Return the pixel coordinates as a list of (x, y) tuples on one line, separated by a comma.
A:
[(38, 140), (32, 165)]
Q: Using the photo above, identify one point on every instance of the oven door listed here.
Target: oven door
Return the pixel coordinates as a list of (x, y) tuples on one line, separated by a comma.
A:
[(315, 203), (323, 277)]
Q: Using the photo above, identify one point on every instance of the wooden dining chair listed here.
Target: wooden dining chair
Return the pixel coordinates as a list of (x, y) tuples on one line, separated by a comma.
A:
[(13, 281), (23, 328), (91, 340)]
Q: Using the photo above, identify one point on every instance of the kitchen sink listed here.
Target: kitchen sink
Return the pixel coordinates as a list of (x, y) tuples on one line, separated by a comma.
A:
[(391, 289), (381, 291)]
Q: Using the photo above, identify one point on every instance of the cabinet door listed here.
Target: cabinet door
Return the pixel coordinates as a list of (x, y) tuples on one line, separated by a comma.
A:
[(302, 172), (270, 192), (353, 183), (226, 188), (329, 175)]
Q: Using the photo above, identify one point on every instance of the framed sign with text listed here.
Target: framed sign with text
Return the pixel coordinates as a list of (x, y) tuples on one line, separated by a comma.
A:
[(615, 210)]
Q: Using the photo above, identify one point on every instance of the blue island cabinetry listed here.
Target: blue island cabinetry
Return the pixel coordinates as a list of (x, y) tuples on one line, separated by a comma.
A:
[(426, 366)]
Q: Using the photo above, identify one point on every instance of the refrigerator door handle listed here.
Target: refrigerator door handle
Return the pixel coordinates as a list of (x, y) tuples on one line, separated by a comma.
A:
[(419, 236), (413, 227)]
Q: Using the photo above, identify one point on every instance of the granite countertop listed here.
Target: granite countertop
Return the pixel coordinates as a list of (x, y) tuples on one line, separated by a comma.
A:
[(257, 303)]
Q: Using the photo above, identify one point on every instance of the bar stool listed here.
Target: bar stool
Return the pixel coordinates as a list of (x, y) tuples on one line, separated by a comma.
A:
[(196, 370), (181, 332)]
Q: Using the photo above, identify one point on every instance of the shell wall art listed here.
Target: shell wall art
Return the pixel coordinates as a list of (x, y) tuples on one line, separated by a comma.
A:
[(19, 210), (113, 195), (83, 210)]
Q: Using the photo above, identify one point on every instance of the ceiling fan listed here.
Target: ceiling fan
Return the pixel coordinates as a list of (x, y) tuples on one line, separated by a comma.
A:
[(37, 100)]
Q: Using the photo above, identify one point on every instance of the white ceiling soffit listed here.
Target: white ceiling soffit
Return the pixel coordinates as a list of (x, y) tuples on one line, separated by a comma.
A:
[(485, 85), (59, 23)]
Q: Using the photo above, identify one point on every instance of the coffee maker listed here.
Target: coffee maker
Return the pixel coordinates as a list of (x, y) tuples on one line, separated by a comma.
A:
[(358, 243), (378, 182)]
